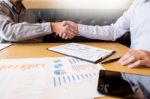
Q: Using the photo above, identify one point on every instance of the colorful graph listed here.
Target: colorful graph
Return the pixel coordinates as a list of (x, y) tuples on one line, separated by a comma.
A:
[(79, 70), (59, 72), (62, 80)]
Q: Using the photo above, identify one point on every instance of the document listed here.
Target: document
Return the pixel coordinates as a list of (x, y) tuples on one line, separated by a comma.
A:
[(4, 45), (68, 70), (84, 52), (48, 78)]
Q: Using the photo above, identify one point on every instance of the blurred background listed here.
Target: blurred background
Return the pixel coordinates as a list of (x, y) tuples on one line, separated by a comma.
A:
[(79, 4)]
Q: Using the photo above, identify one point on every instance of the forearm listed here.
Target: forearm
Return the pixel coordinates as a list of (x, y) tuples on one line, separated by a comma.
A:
[(23, 31), (99, 32), (109, 32)]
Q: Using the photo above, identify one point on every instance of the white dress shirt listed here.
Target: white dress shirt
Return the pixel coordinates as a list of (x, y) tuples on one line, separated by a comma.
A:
[(136, 20)]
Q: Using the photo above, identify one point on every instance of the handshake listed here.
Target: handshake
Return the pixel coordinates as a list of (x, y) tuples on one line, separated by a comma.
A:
[(65, 30)]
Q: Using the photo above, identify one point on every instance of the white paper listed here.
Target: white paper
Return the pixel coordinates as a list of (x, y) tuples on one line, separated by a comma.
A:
[(34, 79), (81, 51), (23, 79), (68, 70), (4, 45), (85, 89)]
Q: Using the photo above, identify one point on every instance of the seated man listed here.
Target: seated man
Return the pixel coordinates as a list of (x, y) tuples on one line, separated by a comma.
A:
[(135, 20), (18, 24)]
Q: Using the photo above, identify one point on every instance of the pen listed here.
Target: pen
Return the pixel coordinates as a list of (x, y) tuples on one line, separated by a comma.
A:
[(111, 60)]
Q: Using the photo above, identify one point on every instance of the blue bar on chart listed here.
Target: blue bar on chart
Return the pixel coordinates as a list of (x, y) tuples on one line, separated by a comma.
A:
[(62, 80)]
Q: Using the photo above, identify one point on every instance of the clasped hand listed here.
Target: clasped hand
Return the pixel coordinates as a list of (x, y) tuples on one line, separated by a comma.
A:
[(65, 29)]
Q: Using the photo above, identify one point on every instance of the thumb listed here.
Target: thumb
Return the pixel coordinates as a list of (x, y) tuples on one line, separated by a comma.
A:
[(64, 23)]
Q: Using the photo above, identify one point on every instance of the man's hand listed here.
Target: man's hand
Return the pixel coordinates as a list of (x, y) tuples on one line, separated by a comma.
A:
[(136, 58), (65, 29)]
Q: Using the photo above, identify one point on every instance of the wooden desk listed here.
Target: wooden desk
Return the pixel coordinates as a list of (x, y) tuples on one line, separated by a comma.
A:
[(40, 50)]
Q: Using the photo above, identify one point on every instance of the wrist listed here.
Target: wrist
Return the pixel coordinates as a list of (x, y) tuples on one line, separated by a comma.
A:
[(54, 27)]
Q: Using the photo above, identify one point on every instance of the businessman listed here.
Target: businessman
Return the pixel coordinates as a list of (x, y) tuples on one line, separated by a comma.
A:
[(17, 24), (135, 20)]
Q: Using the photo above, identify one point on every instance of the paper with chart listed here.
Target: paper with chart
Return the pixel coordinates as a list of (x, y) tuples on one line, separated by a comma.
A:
[(75, 78), (45, 78), (4, 45), (67, 70), (84, 52)]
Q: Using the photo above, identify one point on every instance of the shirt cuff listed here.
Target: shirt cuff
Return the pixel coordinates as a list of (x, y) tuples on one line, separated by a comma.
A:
[(46, 28), (81, 29)]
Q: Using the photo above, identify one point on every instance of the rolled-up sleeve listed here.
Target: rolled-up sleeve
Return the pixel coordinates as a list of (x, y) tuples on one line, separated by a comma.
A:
[(12, 31)]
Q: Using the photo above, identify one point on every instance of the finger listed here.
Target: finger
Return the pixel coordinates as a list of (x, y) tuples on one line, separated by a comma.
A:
[(66, 37), (73, 30), (70, 37), (136, 64), (72, 26), (63, 36), (124, 58), (69, 32), (60, 34), (64, 23), (65, 31), (129, 60)]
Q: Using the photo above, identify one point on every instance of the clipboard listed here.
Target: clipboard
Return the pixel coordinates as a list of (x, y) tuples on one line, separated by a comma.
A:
[(83, 52)]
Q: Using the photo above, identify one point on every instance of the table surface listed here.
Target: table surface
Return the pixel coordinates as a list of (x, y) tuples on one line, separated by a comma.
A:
[(30, 50)]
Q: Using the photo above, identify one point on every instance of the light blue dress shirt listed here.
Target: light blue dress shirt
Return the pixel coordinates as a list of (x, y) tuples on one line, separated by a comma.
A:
[(135, 20)]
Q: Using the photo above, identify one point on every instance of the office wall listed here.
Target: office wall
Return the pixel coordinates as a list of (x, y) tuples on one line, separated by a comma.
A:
[(78, 4), (101, 12), (95, 12)]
